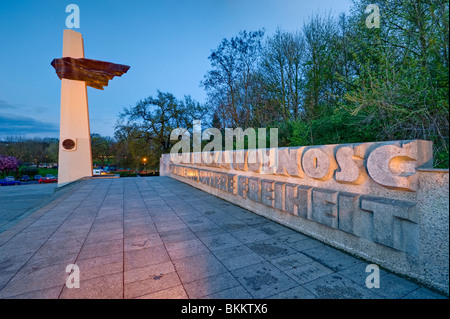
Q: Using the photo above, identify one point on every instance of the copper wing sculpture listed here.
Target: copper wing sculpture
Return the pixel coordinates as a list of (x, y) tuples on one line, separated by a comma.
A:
[(95, 73)]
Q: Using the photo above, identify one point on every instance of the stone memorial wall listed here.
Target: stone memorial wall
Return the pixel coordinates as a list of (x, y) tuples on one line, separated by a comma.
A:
[(380, 201)]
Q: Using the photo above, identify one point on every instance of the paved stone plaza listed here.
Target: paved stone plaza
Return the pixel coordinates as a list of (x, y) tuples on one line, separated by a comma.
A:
[(14, 207), (156, 237)]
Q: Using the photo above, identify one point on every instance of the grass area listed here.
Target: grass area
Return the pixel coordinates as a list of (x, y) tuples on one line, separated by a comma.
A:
[(45, 171), (30, 171)]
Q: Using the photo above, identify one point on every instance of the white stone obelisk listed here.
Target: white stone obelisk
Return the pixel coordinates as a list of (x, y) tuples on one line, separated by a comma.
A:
[(75, 156)]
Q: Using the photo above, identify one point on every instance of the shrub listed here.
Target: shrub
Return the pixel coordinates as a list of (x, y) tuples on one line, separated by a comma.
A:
[(127, 174), (149, 174), (30, 171)]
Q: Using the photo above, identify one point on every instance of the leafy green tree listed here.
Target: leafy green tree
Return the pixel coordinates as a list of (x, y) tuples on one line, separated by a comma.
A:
[(144, 130), (232, 83), (281, 70), (101, 147), (402, 85)]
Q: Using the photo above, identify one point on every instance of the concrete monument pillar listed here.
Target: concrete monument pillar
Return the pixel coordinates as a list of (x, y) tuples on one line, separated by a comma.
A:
[(75, 155), (76, 73)]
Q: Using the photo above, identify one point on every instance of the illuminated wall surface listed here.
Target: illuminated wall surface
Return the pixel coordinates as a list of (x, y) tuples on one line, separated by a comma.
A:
[(382, 201)]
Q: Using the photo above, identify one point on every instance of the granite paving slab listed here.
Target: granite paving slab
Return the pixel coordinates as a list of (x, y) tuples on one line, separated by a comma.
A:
[(158, 238)]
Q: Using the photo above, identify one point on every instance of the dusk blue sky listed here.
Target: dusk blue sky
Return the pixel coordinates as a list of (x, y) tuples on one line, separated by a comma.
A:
[(166, 43)]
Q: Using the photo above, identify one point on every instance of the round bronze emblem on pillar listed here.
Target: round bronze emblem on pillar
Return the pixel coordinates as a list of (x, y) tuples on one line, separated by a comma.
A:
[(68, 144)]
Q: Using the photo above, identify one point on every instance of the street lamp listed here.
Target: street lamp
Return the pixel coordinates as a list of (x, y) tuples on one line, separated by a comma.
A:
[(145, 162)]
